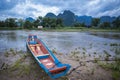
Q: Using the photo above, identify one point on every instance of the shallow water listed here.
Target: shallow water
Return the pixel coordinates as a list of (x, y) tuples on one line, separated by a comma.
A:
[(63, 42)]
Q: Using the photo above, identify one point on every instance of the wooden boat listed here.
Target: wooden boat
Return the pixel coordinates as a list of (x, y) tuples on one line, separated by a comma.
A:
[(45, 58)]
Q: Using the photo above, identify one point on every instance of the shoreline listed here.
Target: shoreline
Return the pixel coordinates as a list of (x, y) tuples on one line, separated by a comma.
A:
[(21, 65), (67, 29)]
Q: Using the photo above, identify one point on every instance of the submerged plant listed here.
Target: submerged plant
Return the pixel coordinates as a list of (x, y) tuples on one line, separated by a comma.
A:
[(94, 52), (105, 44), (93, 71), (84, 49), (117, 51), (6, 54), (89, 55), (54, 51), (114, 44)]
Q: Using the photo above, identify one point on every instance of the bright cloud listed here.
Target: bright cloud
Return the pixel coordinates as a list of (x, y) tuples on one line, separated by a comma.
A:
[(35, 8)]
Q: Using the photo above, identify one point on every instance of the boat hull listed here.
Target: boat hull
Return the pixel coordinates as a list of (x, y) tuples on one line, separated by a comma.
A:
[(46, 59)]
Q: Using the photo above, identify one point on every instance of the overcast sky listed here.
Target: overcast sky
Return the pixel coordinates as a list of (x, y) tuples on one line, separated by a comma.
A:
[(35, 8)]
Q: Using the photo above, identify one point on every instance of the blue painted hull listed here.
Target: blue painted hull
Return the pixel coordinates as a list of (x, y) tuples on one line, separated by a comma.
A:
[(54, 72)]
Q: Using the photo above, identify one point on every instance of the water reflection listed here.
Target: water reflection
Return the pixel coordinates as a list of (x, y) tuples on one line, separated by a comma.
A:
[(110, 35), (64, 42)]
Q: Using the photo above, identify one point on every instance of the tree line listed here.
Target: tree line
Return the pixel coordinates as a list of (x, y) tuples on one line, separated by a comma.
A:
[(55, 23), (27, 24), (96, 23), (114, 24)]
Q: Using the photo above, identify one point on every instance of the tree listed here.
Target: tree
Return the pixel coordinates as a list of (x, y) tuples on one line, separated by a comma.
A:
[(105, 25), (10, 22), (21, 22), (116, 23), (77, 24), (95, 21), (59, 22), (38, 21), (52, 22), (2, 24), (28, 24)]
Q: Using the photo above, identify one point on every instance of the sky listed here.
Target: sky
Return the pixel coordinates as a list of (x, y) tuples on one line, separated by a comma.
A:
[(35, 8)]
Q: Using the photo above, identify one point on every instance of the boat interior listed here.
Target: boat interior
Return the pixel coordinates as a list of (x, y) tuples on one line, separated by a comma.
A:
[(43, 56)]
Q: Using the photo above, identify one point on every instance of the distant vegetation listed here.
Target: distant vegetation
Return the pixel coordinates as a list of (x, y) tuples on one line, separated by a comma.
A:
[(65, 19)]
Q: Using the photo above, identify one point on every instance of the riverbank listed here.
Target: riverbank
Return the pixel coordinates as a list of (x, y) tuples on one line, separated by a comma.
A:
[(81, 29), (66, 29), (21, 65)]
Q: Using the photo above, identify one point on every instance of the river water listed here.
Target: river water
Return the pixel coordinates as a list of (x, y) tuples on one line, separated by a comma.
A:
[(63, 42)]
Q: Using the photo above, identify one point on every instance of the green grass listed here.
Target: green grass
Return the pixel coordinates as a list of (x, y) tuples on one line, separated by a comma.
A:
[(116, 75), (8, 28), (79, 29), (66, 29), (13, 51), (113, 66)]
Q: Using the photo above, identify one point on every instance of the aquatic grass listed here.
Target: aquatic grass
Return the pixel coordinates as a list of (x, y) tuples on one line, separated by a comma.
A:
[(90, 45), (6, 54), (105, 52), (20, 51), (96, 60), (26, 69), (16, 65), (64, 78), (107, 55), (93, 71), (114, 44), (24, 56), (94, 52), (83, 52), (116, 75), (100, 56), (84, 49), (113, 66), (74, 53), (14, 52), (105, 43), (117, 51), (4, 66), (54, 51), (75, 48), (23, 70), (11, 50), (89, 55)]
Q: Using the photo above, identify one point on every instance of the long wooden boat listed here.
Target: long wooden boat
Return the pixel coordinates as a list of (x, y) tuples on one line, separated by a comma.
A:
[(45, 58)]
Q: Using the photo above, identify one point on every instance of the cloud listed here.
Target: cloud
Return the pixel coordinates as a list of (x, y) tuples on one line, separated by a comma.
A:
[(7, 4), (27, 8), (99, 8), (35, 8)]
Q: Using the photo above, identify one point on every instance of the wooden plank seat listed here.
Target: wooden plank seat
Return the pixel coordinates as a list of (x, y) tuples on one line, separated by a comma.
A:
[(38, 50), (42, 55)]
